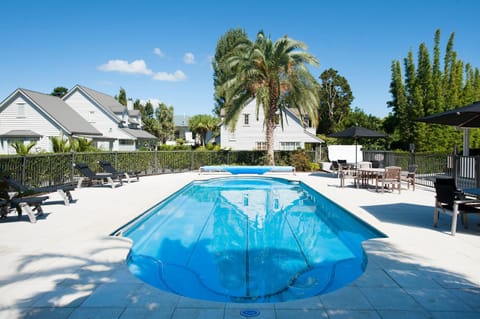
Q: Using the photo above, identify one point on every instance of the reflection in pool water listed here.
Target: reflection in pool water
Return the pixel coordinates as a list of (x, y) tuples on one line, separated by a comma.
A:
[(247, 239)]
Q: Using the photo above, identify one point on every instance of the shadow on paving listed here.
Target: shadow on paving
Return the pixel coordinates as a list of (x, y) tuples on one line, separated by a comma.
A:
[(419, 216), (94, 282)]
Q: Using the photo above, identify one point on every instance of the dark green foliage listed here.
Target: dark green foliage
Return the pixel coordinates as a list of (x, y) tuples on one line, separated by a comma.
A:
[(202, 124), (335, 100), (221, 72), (425, 90), (300, 160), (164, 117), (59, 91), (122, 97)]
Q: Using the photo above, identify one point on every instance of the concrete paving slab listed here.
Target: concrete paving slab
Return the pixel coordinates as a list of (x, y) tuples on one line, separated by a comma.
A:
[(67, 266)]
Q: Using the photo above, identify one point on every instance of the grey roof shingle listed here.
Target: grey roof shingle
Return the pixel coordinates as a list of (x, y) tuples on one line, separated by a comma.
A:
[(105, 101), (139, 134), (62, 113)]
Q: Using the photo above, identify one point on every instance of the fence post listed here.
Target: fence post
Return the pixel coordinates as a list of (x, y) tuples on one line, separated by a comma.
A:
[(155, 160), (72, 168), (24, 164), (193, 159), (454, 167), (477, 171)]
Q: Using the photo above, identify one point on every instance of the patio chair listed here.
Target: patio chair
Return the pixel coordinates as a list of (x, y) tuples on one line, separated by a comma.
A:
[(63, 190), (12, 200), (391, 178), (91, 176), (409, 177), (452, 201), (107, 167)]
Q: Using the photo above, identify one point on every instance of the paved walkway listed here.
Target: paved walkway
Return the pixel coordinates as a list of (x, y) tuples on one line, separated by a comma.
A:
[(66, 265)]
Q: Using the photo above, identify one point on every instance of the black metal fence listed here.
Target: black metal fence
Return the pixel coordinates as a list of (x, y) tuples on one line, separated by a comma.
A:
[(464, 169), (58, 169)]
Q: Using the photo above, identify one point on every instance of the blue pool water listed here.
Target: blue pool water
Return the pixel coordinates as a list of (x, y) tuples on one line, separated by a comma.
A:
[(247, 239)]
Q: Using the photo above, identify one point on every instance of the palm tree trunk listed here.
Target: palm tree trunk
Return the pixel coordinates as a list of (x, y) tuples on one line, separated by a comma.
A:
[(270, 127)]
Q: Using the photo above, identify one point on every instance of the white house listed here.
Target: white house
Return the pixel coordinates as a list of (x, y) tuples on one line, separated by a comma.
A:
[(119, 124), (28, 116), (249, 133)]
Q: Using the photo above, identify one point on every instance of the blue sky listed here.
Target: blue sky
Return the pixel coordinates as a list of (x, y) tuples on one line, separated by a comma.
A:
[(162, 50)]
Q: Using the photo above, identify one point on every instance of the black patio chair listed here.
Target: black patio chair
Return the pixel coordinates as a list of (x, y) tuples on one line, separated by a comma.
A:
[(453, 201)]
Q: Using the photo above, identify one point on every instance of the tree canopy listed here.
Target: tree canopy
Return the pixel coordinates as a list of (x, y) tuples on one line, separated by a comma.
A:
[(425, 89), (335, 100), (59, 91)]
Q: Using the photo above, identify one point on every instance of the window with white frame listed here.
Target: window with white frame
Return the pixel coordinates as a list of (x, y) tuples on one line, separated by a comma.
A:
[(21, 110), (261, 146), (246, 119), (290, 146)]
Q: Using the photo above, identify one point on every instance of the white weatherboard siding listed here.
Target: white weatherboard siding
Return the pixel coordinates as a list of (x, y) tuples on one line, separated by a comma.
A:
[(247, 136), (102, 121), (30, 118)]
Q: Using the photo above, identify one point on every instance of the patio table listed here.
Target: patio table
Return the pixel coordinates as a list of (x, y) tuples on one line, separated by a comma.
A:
[(367, 173)]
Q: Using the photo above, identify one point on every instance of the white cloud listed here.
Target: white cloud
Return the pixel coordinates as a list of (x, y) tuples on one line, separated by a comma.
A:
[(158, 52), (122, 66), (189, 58), (172, 77)]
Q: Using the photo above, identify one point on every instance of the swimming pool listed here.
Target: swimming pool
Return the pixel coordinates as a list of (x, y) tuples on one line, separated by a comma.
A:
[(247, 239)]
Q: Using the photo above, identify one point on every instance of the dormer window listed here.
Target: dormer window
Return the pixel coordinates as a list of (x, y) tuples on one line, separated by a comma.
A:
[(21, 110)]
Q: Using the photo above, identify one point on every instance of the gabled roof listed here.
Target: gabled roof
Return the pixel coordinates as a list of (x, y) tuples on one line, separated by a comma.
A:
[(139, 134), (59, 112), (106, 102)]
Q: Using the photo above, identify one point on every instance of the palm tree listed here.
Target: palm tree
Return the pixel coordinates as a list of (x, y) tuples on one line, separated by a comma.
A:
[(23, 149), (60, 145), (276, 75), (202, 124)]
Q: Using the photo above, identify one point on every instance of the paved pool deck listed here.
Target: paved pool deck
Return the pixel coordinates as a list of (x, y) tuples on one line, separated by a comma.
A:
[(67, 266)]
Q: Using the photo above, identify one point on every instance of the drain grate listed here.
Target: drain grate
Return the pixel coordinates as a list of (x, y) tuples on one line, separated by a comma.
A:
[(248, 313)]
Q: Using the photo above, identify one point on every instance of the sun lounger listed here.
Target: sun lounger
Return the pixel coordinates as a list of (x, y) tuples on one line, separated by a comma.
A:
[(107, 167), (91, 176), (63, 190), (11, 198)]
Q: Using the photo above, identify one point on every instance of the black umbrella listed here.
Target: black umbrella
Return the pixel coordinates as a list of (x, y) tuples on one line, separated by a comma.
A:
[(357, 132), (465, 116)]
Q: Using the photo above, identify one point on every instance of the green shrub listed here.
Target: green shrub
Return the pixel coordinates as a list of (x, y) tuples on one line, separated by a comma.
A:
[(300, 160)]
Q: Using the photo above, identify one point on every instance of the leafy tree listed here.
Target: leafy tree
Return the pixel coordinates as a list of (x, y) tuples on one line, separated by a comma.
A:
[(122, 97), (202, 124), (427, 90), (335, 99), (166, 127), (148, 111), (222, 72), (23, 149), (151, 126), (276, 75), (59, 91)]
